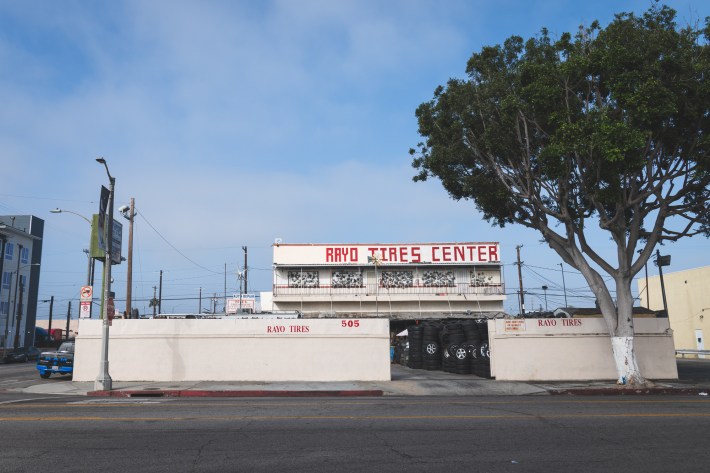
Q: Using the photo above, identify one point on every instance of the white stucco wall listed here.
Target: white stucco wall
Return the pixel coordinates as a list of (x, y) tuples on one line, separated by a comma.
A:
[(575, 349), (237, 350)]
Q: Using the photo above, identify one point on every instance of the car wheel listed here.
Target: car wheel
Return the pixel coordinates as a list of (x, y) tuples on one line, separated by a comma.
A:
[(45, 375)]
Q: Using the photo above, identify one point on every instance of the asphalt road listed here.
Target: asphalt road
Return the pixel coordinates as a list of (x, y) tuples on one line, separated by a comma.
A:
[(427, 434), (495, 434)]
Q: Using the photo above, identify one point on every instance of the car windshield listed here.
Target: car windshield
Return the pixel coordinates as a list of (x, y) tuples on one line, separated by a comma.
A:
[(67, 346)]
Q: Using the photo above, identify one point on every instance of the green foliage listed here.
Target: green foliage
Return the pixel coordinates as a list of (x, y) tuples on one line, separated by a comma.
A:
[(608, 122)]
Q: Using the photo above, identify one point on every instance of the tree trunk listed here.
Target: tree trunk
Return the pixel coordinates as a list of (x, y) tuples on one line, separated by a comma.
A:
[(622, 337), (620, 323)]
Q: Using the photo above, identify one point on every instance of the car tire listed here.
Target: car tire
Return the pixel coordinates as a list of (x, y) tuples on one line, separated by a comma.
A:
[(45, 375)]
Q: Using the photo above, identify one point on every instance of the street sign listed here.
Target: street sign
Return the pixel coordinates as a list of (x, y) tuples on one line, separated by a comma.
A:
[(87, 292), (85, 310), (103, 214)]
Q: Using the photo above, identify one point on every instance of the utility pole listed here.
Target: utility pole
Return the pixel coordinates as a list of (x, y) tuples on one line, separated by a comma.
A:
[(19, 316), (154, 301), (160, 295), (129, 261), (564, 286), (49, 325), (225, 288), (199, 306), (246, 270), (17, 284), (66, 336), (520, 281)]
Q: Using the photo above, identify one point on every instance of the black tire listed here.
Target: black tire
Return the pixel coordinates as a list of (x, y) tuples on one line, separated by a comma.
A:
[(45, 375)]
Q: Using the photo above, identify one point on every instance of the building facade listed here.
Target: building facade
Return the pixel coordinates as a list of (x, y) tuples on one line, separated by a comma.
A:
[(20, 258), (688, 300), (397, 281)]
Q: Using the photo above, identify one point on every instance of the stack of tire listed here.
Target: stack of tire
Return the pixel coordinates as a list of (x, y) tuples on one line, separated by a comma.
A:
[(482, 360), (431, 346), (416, 338), (455, 357)]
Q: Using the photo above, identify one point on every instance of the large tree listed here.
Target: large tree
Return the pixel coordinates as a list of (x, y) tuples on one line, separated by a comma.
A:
[(606, 127)]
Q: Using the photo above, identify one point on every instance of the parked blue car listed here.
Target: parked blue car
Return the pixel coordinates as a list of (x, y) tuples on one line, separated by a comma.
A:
[(57, 362)]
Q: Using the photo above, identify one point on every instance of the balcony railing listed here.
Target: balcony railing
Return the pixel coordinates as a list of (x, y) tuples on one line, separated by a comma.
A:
[(371, 290)]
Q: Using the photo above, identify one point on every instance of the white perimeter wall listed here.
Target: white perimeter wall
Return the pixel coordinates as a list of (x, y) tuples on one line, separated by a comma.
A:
[(575, 349), (237, 350)]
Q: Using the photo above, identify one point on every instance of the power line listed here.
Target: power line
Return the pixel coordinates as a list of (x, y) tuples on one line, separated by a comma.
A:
[(142, 215)]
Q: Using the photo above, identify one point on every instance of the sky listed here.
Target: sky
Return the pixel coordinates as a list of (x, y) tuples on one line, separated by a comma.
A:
[(233, 123)]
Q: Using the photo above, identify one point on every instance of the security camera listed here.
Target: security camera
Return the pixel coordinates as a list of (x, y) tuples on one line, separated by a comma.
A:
[(123, 209)]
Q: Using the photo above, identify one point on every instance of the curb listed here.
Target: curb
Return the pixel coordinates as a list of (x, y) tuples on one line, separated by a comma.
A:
[(628, 391), (260, 393)]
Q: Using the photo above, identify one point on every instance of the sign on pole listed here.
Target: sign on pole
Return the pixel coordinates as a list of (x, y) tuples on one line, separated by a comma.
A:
[(87, 292), (110, 310), (85, 310), (103, 214)]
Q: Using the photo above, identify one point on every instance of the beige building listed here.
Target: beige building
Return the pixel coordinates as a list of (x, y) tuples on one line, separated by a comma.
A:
[(396, 281), (688, 298)]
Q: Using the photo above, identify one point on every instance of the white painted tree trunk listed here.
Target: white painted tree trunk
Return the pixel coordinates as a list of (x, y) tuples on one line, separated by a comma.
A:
[(625, 361)]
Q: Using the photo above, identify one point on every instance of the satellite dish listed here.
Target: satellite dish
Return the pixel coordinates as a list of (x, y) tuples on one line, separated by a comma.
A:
[(277, 241)]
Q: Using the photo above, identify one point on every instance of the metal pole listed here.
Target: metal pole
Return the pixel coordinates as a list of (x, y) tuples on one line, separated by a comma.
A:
[(51, 307), (648, 299), (225, 288), (564, 287), (544, 289), (246, 271), (103, 380), (129, 262), (160, 294), (89, 276), (520, 280), (18, 318), (66, 335), (663, 286), (199, 306)]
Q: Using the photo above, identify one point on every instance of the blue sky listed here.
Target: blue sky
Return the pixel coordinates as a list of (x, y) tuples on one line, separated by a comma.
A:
[(236, 122)]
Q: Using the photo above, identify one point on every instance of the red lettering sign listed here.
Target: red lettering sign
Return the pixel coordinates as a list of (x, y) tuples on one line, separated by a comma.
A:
[(493, 253), (416, 254)]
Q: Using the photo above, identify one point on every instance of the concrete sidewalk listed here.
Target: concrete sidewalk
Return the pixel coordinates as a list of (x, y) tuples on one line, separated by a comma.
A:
[(694, 380)]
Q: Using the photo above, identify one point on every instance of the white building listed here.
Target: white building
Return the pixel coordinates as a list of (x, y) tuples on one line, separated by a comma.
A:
[(405, 281)]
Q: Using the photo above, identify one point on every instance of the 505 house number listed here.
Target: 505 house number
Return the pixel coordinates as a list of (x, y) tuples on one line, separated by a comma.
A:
[(350, 323)]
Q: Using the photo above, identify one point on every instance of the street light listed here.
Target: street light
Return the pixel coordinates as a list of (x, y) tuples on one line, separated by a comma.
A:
[(58, 211), (661, 261), (544, 288), (103, 380), (90, 269)]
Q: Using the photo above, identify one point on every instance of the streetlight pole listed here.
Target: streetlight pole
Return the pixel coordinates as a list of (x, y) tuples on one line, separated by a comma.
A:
[(661, 261), (544, 288), (103, 380)]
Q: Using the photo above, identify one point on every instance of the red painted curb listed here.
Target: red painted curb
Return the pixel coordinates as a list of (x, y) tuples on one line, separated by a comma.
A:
[(262, 393)]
